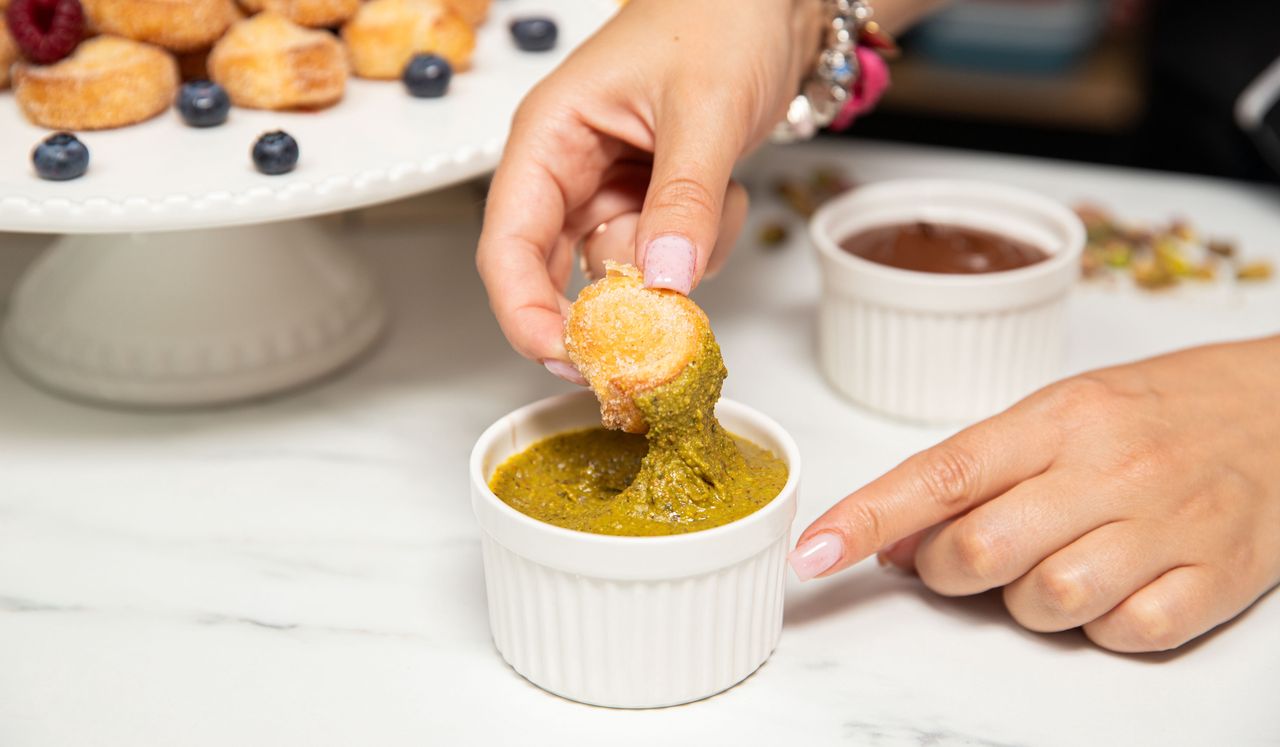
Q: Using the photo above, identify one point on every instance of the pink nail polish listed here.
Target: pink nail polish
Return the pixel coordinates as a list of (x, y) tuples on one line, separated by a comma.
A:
[(816, 554), (669, 263), (564, 370)]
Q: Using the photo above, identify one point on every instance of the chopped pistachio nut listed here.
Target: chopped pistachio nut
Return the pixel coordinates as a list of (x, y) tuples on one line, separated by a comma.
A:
[(1157, 256), (1091, 263), (1150, 274), (1181, 229), (797, 198), (1222, 248), (773, 234), (803, 197), (826, 180), (1170, 257), (1117, 253), (1205, 271), (1260, 270)]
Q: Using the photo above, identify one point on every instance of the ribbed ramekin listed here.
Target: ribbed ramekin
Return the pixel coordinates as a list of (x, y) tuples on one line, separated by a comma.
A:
[(943, 348), (631, 622)]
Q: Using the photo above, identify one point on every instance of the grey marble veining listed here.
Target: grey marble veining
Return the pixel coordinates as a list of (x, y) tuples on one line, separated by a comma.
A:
[(306, 571)]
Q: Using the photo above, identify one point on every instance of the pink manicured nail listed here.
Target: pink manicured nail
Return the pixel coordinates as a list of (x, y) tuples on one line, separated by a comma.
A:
[(816, 554), (668, 263), (564, 370)]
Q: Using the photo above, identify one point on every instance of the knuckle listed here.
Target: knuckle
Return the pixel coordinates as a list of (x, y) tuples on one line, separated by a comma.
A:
[(1244, 555), (686, 196), (1061, 594), (1104, 635), (977, 553), (948, 476), (867, 522), (1140, 458), (1148, 626), (1080, 396)]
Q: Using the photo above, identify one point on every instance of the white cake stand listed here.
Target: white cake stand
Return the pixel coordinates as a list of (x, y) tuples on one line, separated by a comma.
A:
[(183, 277)]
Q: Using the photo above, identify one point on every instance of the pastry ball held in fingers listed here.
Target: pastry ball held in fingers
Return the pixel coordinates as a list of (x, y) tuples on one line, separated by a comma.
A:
[(626, 339)]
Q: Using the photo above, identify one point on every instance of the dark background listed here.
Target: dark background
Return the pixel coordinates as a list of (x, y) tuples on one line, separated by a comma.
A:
[(1150, 84)]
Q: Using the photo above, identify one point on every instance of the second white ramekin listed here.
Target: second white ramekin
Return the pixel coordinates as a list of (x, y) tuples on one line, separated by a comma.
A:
[(943, 348), (631, 622)]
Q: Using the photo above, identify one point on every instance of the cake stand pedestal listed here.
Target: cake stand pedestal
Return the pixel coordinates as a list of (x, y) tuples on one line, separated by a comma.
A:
[(191, 318), (185, 278)]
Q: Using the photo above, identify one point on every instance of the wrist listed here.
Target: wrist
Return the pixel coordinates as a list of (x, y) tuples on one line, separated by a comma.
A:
[(808, 21), (835, 84)]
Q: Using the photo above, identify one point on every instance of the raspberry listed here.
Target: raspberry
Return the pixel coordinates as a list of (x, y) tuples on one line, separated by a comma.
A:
[(45, 30)]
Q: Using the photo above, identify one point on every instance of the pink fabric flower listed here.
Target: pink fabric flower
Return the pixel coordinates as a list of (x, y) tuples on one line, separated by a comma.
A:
[(867, 89)]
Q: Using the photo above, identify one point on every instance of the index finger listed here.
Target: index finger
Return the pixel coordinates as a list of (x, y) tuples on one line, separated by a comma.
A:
[(970, 468), (523, 216)]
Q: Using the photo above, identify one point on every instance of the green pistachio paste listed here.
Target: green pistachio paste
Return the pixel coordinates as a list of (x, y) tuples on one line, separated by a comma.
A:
[(687, 473)]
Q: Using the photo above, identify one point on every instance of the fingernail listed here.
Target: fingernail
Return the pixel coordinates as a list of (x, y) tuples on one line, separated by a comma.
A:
[(668, 263), (564, 370), (815, 555)]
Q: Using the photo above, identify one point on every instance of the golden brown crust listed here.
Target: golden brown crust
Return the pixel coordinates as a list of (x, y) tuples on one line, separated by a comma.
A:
[(179, 25), (107, 82), (611, 333), (269, 62), (194, 65), (8, 51), (384, 34), (473, 12), (313, 13)]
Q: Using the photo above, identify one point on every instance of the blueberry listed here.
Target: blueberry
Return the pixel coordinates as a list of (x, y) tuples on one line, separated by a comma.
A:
[(60, 157), (534, 34), (427, 76), (203, 103), (275, 153)]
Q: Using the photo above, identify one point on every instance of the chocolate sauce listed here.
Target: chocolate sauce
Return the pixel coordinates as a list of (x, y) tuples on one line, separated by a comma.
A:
[(931, 247)]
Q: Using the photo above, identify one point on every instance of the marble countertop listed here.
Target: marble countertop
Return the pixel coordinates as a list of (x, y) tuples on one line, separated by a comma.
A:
[(306, 571)]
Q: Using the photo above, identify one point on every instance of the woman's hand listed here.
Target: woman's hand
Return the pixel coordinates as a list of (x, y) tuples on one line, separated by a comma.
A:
[(1141, 502), (637, 133)]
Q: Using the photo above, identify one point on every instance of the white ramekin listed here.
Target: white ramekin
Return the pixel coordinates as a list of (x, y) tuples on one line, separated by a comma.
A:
[(935, 347), (631, 622)]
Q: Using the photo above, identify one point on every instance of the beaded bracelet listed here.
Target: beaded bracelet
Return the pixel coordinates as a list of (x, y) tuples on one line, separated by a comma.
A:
[(848, 78)]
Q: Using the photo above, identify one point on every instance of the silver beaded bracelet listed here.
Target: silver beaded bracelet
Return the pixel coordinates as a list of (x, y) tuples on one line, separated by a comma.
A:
[(825, 90)]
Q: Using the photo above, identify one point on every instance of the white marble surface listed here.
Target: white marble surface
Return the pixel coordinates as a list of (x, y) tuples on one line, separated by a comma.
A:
[(306, 571)]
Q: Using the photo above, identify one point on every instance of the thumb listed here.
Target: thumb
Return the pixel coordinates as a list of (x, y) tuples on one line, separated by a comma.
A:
[(693, 159)]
